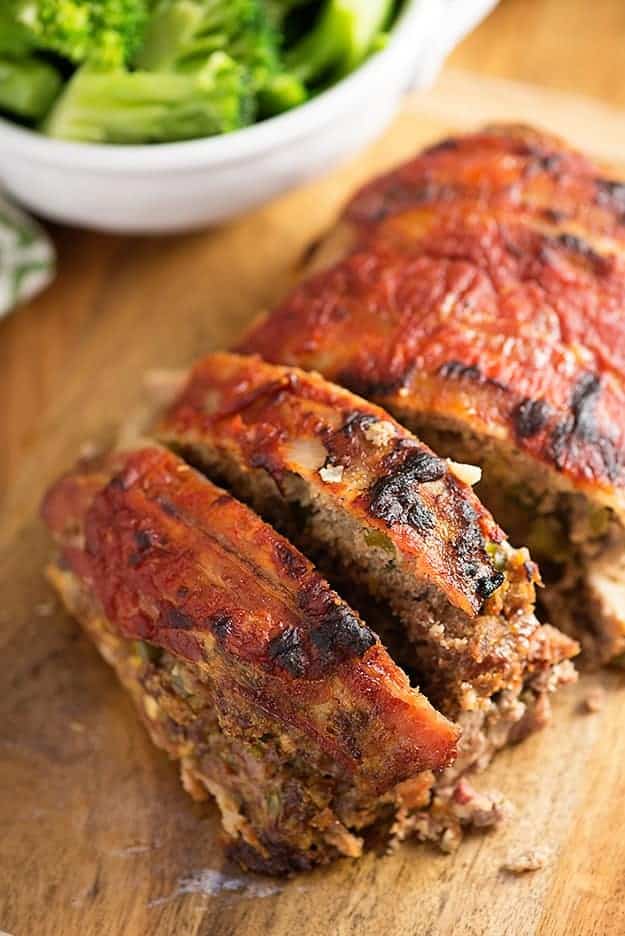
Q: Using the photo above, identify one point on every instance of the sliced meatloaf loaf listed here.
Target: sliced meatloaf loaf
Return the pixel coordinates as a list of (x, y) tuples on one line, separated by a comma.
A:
[(478, 293), (245, 666), (353, 487)]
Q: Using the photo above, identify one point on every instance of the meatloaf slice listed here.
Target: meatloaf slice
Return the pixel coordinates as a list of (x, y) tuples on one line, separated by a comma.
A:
[(246, 667), (477, 292), (350, 482)]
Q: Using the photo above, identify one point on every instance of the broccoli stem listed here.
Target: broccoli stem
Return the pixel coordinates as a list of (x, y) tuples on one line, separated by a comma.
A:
[(28, 87), (342, 38), (151, 107)]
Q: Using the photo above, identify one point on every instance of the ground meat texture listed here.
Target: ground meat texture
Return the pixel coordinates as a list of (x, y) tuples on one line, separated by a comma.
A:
[(282, 809), (276, 698), (396, 518)]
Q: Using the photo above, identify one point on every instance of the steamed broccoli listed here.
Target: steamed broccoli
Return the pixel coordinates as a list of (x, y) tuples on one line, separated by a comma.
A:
[(28, 87), (160, 70), (106, 31), (151, 107), (183, 34), (343, 36)]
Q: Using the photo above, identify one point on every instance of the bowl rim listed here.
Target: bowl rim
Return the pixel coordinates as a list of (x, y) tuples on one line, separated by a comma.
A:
[(239, 144)]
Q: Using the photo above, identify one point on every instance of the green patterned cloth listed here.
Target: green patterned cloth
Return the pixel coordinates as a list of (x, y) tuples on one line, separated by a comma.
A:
[(26, 257)]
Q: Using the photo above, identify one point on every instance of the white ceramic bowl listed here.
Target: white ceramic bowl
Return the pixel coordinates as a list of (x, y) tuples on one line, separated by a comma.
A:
[(175, 186)]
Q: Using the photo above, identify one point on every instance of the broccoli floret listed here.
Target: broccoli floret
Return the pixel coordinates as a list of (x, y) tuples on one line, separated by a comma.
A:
[(151, 107), (183, 34), (343, 36), (28, 87), (164, 70), (106, 31)]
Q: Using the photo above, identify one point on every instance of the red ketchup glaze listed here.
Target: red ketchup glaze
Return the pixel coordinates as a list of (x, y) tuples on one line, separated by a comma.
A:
[(176, 561), (486, 282)]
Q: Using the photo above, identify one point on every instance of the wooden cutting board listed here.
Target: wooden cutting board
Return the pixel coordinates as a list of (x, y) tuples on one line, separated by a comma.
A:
[(96, 835)]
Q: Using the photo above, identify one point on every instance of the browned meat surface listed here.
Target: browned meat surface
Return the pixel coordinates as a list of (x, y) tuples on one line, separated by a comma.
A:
[(273, 694), (393, 516), (477, 292)]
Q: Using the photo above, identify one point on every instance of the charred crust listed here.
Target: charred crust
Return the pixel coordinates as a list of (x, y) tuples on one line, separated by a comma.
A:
[(581, 428), (446, 145), (487, 585), (548, 162), (420, 465), (559, 443), (611, 195), (394, 499), (291, 561), (530, 416), (584, 400), (469, 549), (221, 625), (539, 160), (336, 633), (172, 617), (167, 506), (344, 444), (458, 370), (145, 539), (340, 635), (579, 425), (377, 204), (554, 215), (287, 651), (356, 421), (582, 248)]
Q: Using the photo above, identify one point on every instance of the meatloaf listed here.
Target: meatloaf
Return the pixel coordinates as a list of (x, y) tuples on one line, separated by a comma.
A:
[(245, 666), (349, 483), (477, 293)]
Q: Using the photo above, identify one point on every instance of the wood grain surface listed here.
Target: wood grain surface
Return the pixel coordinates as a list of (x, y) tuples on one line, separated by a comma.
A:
[(566, 45), (96, 835)]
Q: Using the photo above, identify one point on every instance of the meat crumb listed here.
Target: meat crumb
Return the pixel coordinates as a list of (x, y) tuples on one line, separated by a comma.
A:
[(532, 859), (331, 474), (453, 810), (594, 700), (379, 433)]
